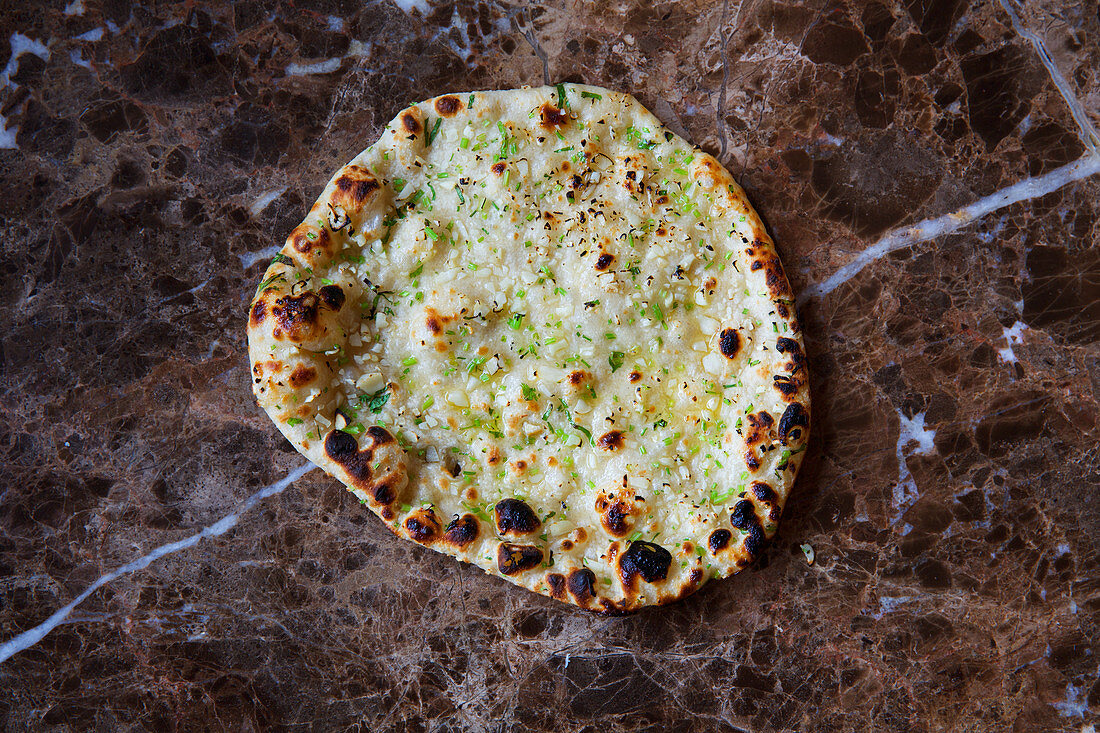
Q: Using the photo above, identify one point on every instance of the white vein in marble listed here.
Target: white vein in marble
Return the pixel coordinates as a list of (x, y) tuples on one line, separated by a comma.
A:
[(1024, 190), (32, 636)]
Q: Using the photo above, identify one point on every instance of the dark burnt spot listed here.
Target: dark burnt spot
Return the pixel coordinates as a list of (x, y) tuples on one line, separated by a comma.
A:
[(661, 231), (513, 559), (356, 188), (448, 106), (635, 375), (556, 581), (258, 313), (750, 251), (793, 421), (498, 168), (582, 584), (695, 576), (785, 384), (764, 492), (302, 375), (552, 117), (729, 342), (383, 492), (566, 545), (611, 440), (379, 436), (614, 517), (423, 526), (410, 123), (604, 261), (462, 530), (332, 296), (306, 239), (744, 518), (576, 181), (645, 559), (719, 540), (762, 419), (575, 378), (756, 265), (783, 311), (434, 325), (750, 460), (515, 517), (565, 167), (296, 315), (774, 276), (792, 348), (343, 449)]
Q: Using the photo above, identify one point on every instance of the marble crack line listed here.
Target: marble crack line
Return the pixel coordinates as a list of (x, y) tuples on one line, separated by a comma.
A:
[(1024, 190), (1089, 135), (720, 112), (531, 38), (32, 636)]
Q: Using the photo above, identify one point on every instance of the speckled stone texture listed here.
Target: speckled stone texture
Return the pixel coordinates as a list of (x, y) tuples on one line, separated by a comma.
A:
[(151, 156)]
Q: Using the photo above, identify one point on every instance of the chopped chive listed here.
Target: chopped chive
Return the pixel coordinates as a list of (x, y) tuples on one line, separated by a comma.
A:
[(435, 130), (563, 102), (591, 95)]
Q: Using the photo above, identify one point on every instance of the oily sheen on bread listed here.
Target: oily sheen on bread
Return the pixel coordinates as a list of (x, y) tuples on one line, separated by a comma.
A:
[(537, 331)]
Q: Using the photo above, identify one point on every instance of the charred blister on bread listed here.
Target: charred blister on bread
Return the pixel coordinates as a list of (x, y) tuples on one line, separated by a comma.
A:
[(617, 510), (647, 561), (355, 188), (743, 517), (379, 469), (462, 531), (448, 105), (423, 525), (513, 559), (515, 518)]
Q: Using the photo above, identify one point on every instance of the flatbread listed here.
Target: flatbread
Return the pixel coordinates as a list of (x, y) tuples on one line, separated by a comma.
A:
[(537, 331)]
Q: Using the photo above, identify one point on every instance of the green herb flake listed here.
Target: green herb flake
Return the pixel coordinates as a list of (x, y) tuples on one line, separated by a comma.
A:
[(435, 130), (563, 101), (616, 360), (376, 400), (294, 421)]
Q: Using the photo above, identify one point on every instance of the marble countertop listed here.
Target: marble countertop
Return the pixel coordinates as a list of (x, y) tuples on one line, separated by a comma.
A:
[(928, 169)]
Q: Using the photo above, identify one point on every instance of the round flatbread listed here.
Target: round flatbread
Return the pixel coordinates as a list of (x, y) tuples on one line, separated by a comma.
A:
[(539, 332)]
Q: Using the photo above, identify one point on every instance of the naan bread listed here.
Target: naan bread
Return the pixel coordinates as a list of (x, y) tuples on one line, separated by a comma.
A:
[(537, 331)]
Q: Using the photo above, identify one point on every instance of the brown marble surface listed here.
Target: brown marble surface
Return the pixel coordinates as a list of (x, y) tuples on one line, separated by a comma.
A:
[(152, 154)]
